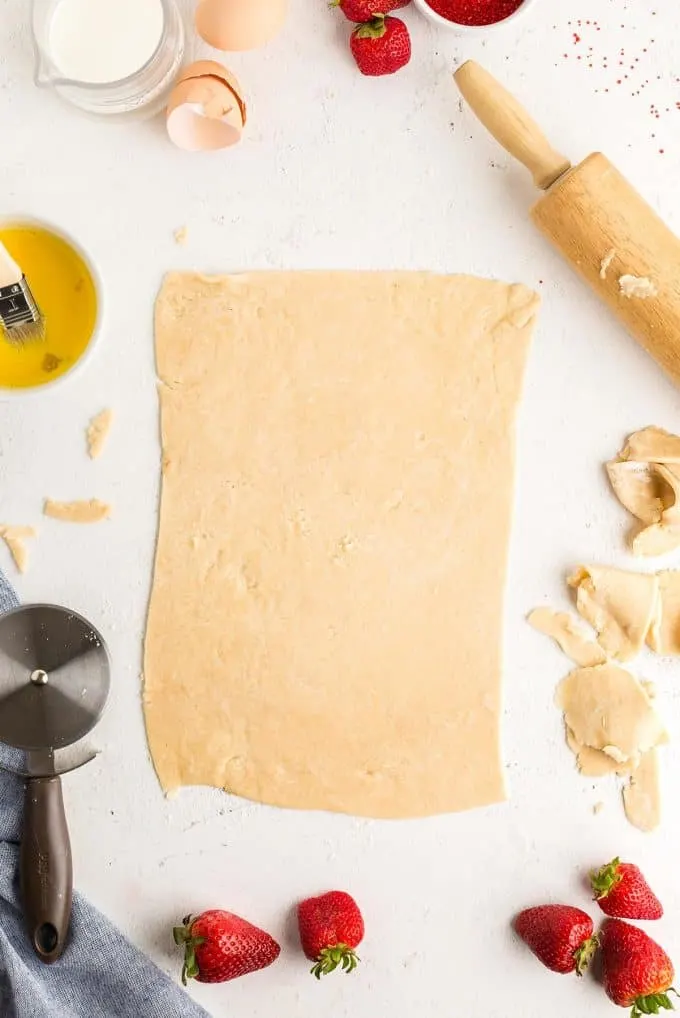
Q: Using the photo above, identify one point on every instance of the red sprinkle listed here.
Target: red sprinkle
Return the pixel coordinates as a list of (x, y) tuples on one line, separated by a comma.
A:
[(475, 12)]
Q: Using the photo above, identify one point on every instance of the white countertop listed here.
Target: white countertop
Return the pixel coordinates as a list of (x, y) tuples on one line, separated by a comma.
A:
[(341, 171)]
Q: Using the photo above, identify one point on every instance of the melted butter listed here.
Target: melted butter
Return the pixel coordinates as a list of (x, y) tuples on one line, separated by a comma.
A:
[(65, 292)]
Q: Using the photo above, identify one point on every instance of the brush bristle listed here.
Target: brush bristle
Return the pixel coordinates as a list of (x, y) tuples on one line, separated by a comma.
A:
[(29, 332)]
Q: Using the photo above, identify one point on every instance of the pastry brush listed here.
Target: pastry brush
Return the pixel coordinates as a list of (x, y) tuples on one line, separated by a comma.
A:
[(21, 320)]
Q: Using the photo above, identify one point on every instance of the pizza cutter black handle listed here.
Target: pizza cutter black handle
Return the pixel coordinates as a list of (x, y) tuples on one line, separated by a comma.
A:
[(46, 868)]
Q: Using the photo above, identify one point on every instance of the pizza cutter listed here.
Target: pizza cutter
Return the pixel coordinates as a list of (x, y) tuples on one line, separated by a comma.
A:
[(54, 683)]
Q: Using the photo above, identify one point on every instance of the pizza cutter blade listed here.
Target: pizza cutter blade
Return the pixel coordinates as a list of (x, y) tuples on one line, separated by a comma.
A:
[(54, 683)]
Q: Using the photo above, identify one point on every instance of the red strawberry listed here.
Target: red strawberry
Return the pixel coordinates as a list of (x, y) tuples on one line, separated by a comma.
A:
[(622, 891), (559, 935), (637, 973), (364, 10), (220, 945), (331, 926), (381, 46)]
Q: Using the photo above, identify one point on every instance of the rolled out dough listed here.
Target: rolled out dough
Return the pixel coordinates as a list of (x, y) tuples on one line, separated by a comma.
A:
[(324, 628)]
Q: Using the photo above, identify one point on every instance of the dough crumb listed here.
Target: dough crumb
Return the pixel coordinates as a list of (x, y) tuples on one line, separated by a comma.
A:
[(606, 262), (573, 640), (597, 808), (181, 234), (642, 795), (14, 538), (98, 432), (637, 286), (92, 511)]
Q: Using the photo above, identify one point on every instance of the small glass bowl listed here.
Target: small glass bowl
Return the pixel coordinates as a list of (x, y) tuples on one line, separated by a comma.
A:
[(142, 94)]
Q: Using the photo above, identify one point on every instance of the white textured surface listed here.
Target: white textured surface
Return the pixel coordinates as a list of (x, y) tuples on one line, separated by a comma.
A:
[(339, 171)]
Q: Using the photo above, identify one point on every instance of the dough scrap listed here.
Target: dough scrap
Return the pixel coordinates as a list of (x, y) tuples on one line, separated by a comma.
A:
[(98, 432), (652, 445), (663, 536), (325, 623), (14, 537), (637, 286), (92, 511), (649, 487), (569, 636), (642, 794), (607, 709), (594, 763), (664, 634), (640, 489), (620, 606), (659, 539)]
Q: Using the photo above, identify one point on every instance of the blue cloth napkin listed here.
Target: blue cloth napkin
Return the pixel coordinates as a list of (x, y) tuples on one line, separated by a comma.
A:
[(101, 975)]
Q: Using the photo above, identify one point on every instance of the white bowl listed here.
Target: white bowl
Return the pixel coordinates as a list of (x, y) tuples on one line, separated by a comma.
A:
[(437, 19), (88, 352)]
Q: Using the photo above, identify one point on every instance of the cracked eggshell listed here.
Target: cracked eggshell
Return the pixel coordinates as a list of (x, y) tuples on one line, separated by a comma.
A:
[(239, 24), (206, 110)]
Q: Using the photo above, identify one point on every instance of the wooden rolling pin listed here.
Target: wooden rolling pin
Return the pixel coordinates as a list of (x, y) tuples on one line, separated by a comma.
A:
[(599, 222)]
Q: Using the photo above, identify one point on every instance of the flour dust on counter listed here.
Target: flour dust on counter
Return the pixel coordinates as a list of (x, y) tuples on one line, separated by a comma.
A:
[(338, 461)]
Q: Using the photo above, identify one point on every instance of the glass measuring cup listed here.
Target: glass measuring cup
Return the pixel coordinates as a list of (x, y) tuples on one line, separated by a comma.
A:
[(141, 94)]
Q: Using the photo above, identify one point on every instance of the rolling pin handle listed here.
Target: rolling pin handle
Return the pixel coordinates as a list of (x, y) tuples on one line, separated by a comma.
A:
[(510, 124)]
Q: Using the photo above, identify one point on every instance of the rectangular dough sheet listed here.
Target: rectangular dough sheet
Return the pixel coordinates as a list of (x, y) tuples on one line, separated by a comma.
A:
[(325, 623)]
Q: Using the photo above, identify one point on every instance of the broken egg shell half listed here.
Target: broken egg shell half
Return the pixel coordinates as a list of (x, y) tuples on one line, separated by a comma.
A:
[(206, 110), (238, 25)]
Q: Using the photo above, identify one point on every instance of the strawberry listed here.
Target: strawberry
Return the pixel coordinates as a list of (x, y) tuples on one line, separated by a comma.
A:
[(364, 10), (622, 891), (559, 935), (381, 46), (331, 926), (220, 945), (637, 972)]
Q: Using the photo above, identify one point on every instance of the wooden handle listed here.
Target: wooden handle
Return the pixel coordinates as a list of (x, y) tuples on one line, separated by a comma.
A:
[(614, 240), (510, 124)]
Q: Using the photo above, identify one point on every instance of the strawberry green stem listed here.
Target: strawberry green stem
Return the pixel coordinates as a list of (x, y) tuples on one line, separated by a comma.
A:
[(331, 958), (584, 954), (183, 938), (604, 880), (373, 29), (653, 1003)]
